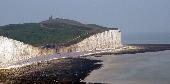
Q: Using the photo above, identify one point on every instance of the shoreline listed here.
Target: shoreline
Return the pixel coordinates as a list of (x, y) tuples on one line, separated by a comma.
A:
[(73, 62), (139, 48), (126, 49)]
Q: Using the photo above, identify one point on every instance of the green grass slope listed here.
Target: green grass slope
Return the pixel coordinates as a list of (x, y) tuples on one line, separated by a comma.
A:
[(38, 34)]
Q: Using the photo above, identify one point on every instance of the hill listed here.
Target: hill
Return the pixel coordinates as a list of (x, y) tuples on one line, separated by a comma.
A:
[(55, 31)]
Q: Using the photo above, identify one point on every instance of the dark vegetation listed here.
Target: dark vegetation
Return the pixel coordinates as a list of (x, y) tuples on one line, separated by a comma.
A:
[(71, 70), (57, 32)]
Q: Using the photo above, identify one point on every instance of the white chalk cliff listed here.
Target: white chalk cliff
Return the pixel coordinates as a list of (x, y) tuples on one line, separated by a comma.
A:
[(13, 50), (110, 39)]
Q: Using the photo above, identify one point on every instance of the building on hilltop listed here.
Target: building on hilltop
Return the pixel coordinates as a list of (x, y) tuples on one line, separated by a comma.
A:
[(50, 18)]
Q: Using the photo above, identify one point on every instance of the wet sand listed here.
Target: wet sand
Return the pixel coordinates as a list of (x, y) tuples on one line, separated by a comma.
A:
[(141, 68)]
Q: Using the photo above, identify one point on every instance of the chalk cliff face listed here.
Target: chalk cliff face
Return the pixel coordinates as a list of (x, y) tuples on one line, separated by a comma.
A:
[(12, 50), (106, 40)]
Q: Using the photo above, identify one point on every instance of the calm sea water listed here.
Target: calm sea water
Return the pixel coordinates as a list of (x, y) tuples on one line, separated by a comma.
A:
[(143, 68), (146, 38)]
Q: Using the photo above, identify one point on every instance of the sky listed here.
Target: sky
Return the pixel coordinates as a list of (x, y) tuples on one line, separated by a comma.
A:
[(130, 16)]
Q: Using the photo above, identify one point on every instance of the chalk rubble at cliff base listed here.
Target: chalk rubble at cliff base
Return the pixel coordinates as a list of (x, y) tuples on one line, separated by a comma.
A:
[(32, 60)]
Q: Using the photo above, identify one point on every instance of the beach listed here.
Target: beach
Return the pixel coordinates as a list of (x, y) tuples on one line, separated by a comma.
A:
[(69, 70), (133, 64)]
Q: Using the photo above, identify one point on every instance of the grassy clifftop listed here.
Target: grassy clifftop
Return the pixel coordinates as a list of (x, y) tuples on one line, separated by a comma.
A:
[(56, 31)]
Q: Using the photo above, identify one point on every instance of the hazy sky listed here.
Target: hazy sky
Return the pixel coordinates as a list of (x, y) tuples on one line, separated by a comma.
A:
[(129, 15)]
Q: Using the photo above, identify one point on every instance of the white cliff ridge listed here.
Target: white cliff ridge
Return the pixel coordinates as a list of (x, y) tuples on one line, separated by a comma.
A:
[(106, 40), (110, 39), (13, 50)]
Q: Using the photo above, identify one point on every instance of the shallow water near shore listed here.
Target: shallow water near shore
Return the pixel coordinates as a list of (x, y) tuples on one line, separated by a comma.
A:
[(141, 68)]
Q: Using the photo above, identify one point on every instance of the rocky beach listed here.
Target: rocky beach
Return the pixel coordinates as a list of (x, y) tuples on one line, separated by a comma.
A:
[(73, 69), (69, 70)]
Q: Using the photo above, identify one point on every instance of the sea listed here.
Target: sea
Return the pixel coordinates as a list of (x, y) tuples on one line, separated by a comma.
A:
[(141, 68), (146, 38)]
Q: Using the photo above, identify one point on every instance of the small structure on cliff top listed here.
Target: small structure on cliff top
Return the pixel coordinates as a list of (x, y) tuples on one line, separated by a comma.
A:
[(50, 18), (92, 38)]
